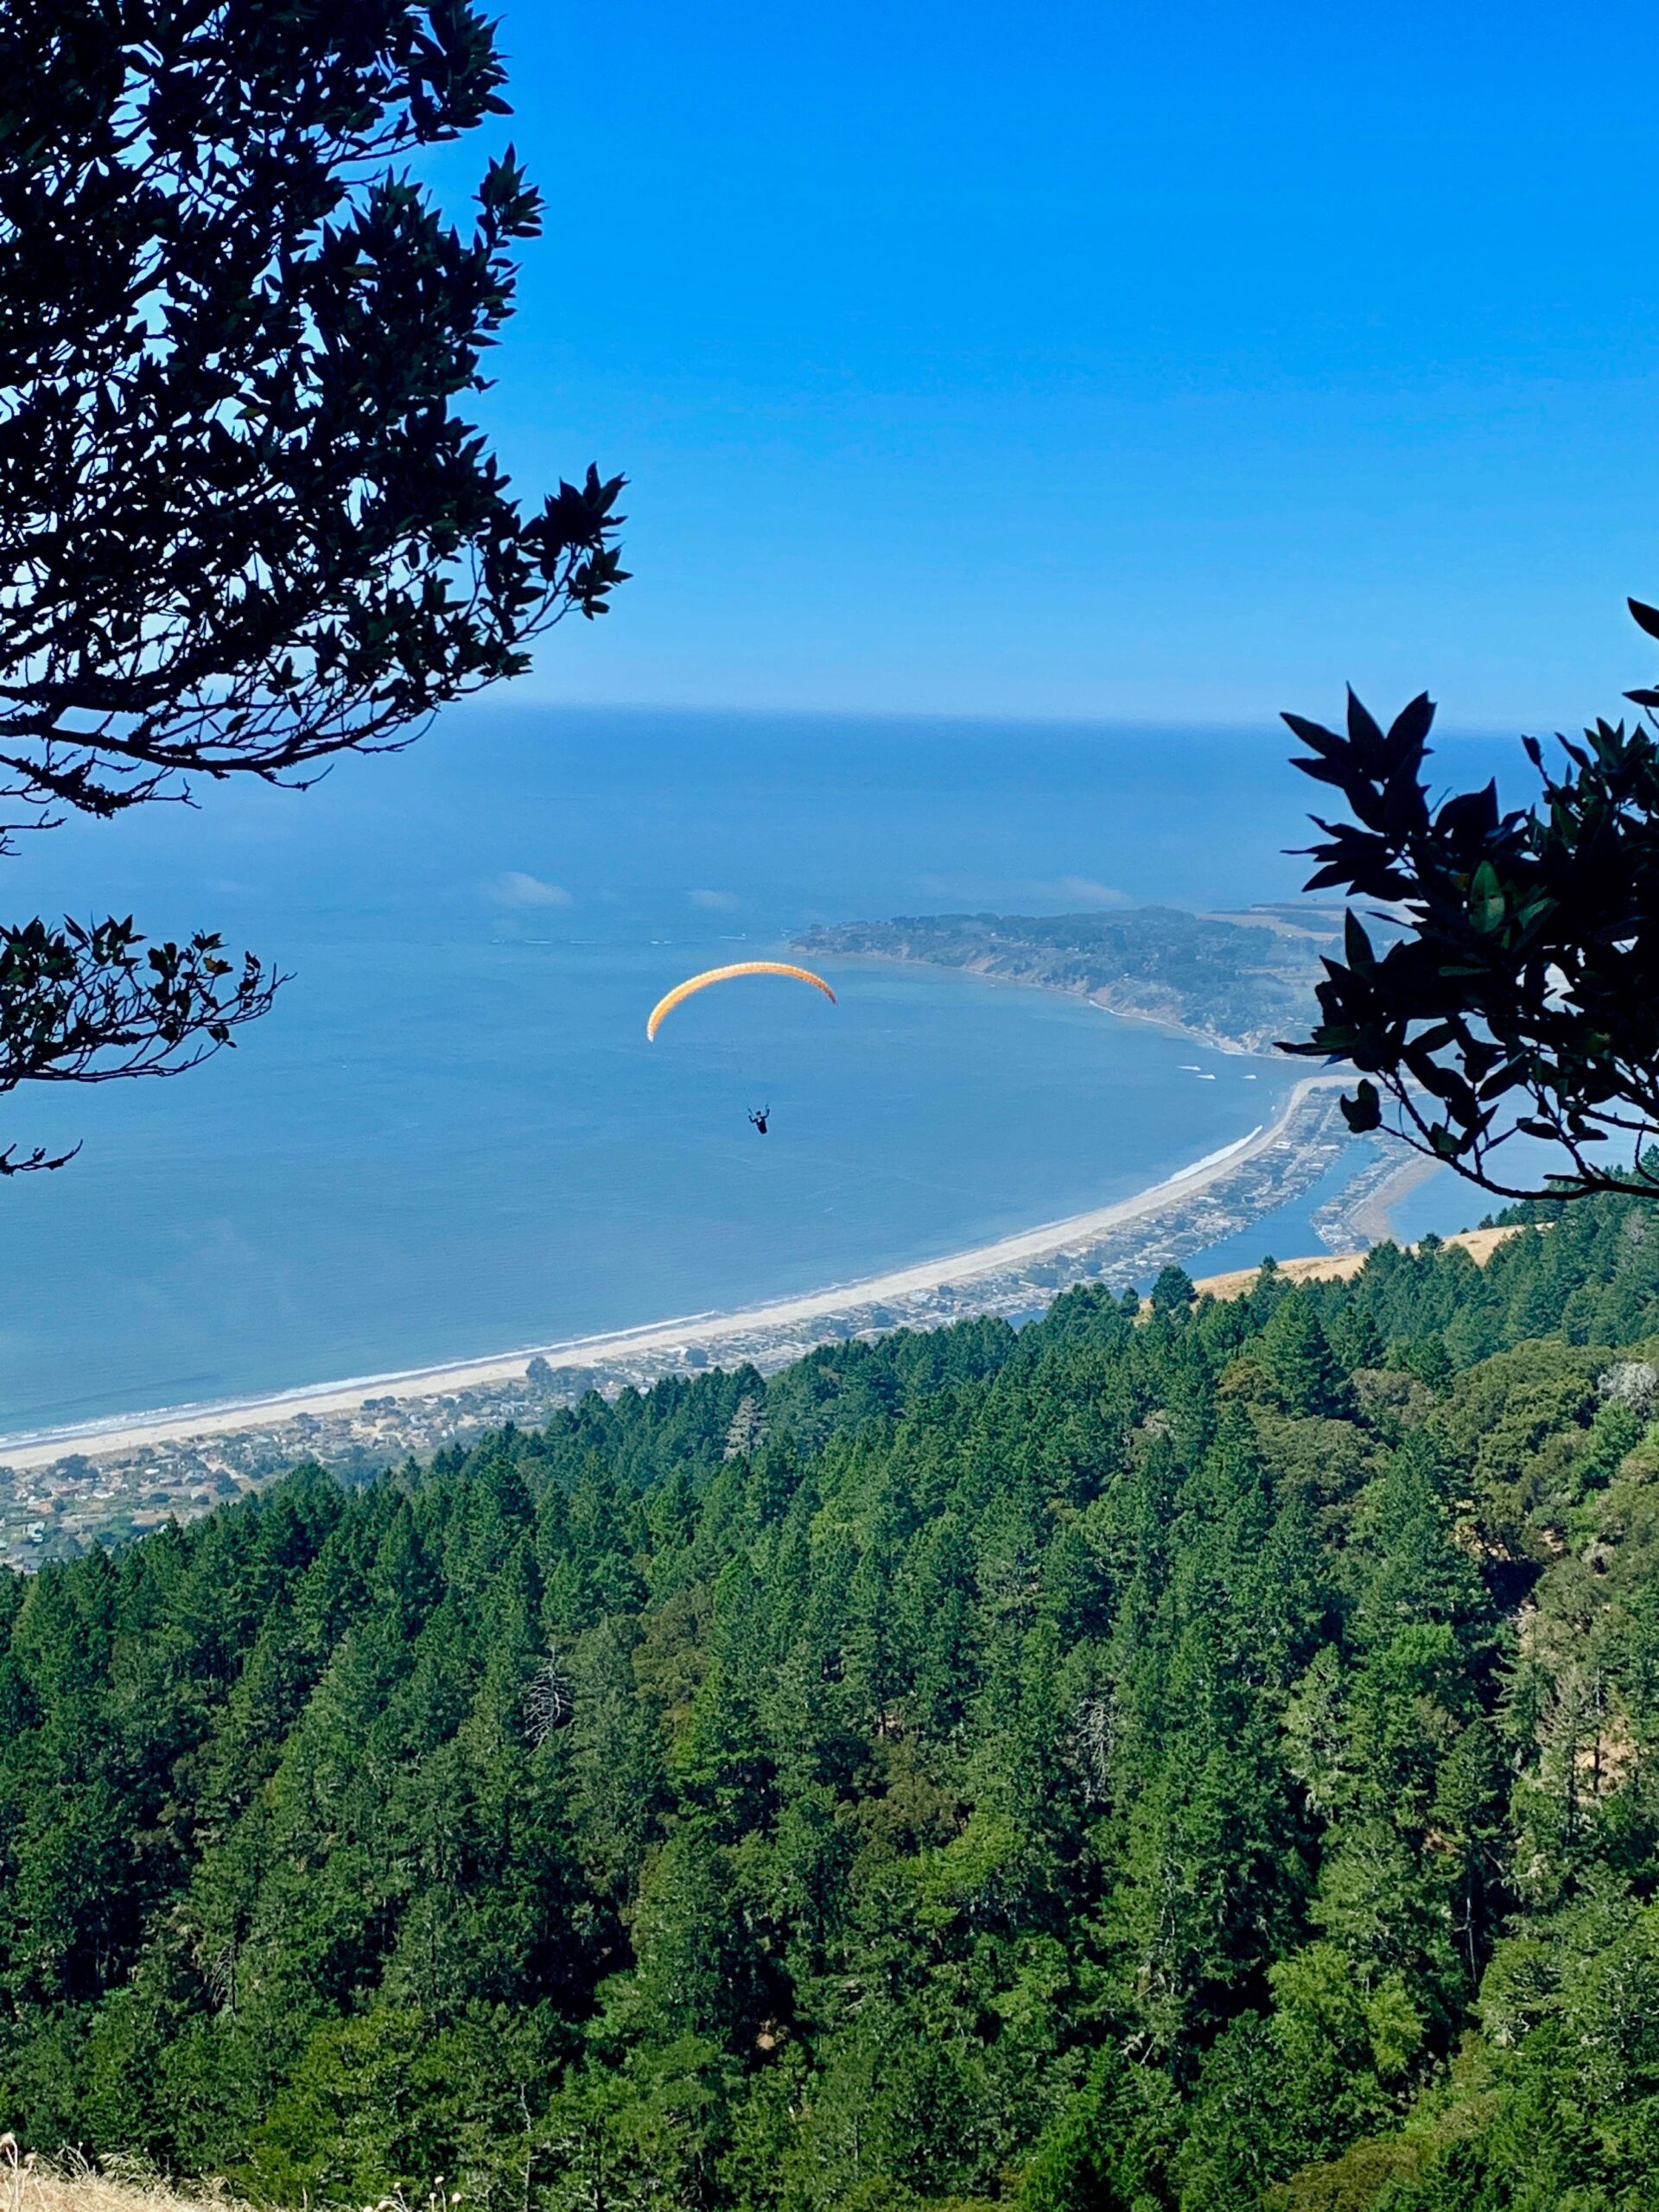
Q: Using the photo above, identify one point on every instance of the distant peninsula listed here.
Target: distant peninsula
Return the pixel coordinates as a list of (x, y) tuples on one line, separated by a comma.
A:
[(1239, 982)]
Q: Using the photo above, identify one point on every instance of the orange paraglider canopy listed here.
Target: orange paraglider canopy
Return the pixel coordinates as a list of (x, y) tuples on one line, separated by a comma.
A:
[(666, 1005)]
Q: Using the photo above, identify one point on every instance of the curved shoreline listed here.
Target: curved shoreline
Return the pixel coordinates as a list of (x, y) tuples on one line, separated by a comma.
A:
[(705, 1330)]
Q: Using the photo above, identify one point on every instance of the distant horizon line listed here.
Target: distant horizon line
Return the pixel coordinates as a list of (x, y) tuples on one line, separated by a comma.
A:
[(518, 699)]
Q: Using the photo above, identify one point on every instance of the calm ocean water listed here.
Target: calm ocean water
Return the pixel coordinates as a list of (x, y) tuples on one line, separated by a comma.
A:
[(452, 1137)]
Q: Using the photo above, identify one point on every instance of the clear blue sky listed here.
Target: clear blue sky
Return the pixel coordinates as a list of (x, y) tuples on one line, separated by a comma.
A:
[(1106, 360)]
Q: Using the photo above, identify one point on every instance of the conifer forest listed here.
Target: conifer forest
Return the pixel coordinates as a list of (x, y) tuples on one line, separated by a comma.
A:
[(1194, 1755)]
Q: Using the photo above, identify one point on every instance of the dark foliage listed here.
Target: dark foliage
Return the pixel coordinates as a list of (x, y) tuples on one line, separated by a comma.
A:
[(245, 524), (1523, 997), (82, 1006), (1186, 1762)]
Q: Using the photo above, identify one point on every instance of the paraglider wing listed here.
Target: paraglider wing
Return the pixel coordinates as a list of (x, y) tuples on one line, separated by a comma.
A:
[(666, 1005)]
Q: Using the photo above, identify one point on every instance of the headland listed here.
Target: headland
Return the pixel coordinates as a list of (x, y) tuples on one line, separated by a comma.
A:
[(1234, 982)]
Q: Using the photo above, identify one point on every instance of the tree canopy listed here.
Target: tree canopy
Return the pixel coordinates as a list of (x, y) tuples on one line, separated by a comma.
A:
[(1189, 1762), (245, 523)]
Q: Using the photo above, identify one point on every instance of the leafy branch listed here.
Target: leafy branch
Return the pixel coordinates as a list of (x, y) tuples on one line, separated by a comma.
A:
[(245, 521), (1518, 995), (98, 1004)]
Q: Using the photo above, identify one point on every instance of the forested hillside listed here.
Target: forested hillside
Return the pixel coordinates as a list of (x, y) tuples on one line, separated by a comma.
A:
[(1198, 1760)]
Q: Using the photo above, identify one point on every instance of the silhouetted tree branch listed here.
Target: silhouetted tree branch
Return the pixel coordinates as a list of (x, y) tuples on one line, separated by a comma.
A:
[(244, 524), (1520, 993), (93, 1005)]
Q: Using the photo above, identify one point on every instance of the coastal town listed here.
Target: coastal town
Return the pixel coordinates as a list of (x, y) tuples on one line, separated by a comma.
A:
[(56, 1498)]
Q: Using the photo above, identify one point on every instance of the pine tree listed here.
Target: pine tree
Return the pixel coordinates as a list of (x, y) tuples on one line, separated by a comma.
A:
[(1297, 1355)]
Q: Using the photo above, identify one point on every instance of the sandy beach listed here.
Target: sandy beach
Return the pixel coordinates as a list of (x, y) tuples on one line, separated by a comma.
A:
[(704, 1331), (1371, 1217)]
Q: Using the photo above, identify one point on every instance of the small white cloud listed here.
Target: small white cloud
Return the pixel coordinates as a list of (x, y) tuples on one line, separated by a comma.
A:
[(1088, 893), (1010, 895), (720, 900), (515, 888)]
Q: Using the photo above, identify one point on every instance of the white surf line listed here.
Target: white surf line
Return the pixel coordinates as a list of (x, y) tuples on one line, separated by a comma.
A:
[(174, 1424)]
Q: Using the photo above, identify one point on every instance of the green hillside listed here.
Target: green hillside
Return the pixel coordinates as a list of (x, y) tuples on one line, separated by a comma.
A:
[(1199, 1761)]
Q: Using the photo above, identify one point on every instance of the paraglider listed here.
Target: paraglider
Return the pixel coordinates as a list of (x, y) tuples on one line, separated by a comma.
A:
[(758, 1119), (666, 1004)]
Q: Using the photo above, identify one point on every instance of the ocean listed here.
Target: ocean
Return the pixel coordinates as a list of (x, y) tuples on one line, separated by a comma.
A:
[(452, 1138)]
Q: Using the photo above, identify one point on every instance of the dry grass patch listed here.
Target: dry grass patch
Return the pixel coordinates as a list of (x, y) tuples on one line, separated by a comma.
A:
[(75, 2184), (30, 2184), (1342, 1266)]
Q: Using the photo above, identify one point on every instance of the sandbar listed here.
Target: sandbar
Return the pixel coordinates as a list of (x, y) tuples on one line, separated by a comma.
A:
[(707, 1332)]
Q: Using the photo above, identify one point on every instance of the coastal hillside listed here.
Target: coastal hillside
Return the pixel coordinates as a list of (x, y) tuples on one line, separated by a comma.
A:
[(1243, 980), (1196, 1759)]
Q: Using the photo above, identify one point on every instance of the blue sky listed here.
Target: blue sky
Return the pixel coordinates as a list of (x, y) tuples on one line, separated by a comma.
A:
[(1111, 360)]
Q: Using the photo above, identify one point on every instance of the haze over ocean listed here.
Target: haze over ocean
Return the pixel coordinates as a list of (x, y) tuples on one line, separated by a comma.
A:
[(451, 1138)]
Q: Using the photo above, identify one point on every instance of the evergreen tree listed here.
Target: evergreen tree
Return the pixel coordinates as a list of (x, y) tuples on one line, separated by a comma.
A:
[(1297, 1355), (1173, 1293), (1044, 1765)]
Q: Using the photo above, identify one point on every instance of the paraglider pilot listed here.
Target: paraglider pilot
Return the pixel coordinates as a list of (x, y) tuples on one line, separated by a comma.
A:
[(760, 1118)]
